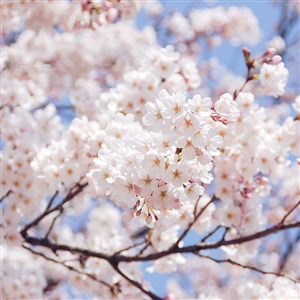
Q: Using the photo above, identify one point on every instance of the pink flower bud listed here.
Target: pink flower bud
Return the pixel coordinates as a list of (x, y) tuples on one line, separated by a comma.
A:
[(246, 51), (276, 59), (270, 52)]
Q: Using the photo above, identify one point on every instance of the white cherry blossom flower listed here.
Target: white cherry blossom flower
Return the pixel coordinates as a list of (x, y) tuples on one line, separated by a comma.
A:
[(226, 108), (177, 174), (273, 79), (200, 106)]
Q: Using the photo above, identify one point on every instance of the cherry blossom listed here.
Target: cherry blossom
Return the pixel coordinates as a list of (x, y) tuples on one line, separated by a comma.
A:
[(273, 78), (129, 149)]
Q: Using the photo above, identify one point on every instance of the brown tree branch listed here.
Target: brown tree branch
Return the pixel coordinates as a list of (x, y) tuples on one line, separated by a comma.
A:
[(215, 245), (116, 258)]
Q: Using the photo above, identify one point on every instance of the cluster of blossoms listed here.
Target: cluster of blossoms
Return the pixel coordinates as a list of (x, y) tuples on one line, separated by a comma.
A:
[(67, 160), (273, 74), (57, 62), (250, 155), (163, 169), (249, 161), (18, 180), (160, 68)]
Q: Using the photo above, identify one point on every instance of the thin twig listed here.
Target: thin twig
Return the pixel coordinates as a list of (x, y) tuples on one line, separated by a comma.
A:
[(144, 248), (132, 246), (247, 267), (224, 234), (289, 212), (53, 222), (248, 78), (289, 250), (51, 201), (68, 197), (137, 284), (5, 195), (210, 233), (196, 206), (175, 245), (67, 266)]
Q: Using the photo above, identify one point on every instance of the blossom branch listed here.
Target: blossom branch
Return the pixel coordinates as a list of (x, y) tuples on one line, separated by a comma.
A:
[(247, 267), (116, 258), (112, 260), (206, 246)]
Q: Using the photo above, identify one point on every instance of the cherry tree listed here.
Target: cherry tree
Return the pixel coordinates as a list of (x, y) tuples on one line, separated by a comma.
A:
[(123, 145)]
